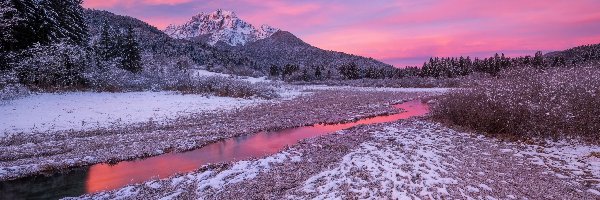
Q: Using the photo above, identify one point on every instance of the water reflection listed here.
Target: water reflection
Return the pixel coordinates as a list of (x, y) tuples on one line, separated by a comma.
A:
[(105, 177)]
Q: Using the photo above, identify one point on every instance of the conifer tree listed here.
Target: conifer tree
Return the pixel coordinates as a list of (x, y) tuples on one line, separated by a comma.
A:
[(305, 76), (105, 48), (274, 71), (49, 21), (318, 73), (66, 20), (9, 19), (131, 59)]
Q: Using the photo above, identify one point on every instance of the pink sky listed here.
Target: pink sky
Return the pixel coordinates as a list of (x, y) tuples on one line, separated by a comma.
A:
[(403, 32)]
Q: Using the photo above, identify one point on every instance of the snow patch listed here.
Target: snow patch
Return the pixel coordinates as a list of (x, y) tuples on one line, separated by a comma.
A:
[(417, 174), (378, 89), (567, 159), (89, 110)]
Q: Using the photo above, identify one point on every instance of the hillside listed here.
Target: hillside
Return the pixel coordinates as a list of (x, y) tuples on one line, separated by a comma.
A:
[(265, 46), (165, 48), (284, 48), (580, 54)]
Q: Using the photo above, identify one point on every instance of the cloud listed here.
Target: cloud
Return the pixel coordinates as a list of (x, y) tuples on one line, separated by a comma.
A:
[(393, 30), (129, 3)]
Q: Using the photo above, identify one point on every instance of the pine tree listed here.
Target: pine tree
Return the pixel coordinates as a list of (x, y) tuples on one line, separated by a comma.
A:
[(305, 76), (105, 48), (349, 71), (131, 59), (318, 73), (29, 25), (48, 21), (9, 20), (274, 71), (66, 20), (538, 60)]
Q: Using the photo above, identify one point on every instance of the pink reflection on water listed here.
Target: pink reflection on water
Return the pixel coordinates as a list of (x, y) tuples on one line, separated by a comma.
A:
[(106, 177)]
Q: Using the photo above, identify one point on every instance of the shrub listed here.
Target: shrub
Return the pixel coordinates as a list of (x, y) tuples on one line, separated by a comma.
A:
[(223, 86), (13, 91), (527, 102), (10, 88), (54, 67)]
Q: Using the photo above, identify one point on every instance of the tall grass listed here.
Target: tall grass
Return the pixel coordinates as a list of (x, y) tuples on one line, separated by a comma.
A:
[(531, 103)]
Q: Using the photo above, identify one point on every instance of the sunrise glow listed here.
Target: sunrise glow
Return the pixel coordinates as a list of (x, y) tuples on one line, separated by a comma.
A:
[(400, 32)]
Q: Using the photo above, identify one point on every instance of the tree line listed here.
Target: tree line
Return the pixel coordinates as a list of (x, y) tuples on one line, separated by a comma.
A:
[(47, 44), (443, 67)]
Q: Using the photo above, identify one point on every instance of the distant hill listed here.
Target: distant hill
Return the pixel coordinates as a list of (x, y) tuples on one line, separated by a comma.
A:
[(167, 48), (265, 46), (576, 55), (284, 48)]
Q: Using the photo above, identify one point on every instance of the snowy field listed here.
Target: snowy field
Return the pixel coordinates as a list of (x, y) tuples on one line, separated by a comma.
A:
[(88, 110), (48, 112), (205, 73)]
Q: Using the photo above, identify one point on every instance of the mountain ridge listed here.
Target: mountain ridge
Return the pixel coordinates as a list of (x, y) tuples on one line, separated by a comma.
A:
[(220, 25)]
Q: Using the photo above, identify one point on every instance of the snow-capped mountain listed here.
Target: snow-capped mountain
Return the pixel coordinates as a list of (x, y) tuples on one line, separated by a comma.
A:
[(218, 26)]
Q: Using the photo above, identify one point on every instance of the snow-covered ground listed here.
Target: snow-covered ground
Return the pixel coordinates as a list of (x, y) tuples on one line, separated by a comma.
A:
[(88, 110), (411, 159), (382, 89), (201, 73)]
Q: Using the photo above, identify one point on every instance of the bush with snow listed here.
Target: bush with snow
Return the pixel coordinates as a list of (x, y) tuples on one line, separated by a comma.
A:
[(13, 91), (529, 102), (223, 86), (52, 67)]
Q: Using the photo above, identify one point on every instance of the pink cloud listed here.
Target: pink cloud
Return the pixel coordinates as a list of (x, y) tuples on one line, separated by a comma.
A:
[(403, 29), (129, 3), (165, 2)]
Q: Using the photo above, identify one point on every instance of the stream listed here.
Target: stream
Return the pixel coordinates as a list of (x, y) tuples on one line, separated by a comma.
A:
[(101, 177)]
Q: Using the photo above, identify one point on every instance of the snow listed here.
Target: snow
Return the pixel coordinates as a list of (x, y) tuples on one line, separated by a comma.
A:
[(567, 159), (126, 192), (382, 89), (472, 189), (205, 73), (485, 187), (594, 191), (222, 26), (200, 73), (242, 171), (88, 110), (389, 165)]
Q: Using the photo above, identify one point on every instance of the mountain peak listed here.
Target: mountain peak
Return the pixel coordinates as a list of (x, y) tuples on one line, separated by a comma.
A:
[(220, 25)]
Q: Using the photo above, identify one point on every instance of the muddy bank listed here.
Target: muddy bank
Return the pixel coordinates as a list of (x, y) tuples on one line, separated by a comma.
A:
[(29, 154)]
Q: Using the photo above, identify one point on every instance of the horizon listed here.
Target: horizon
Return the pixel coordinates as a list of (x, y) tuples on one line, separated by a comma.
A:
[(400, 33)]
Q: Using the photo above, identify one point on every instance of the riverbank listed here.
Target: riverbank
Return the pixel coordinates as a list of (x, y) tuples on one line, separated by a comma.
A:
[(30, 154), (404, 159)]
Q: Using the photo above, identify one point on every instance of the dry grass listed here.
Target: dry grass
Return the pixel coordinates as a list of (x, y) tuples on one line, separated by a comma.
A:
[(529, 103)]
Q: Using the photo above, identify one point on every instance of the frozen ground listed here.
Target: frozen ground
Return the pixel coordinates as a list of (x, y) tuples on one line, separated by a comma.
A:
[(26, 154), (49, 112), (88, 110), (200, 72), (385, 89), (413, 159)]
